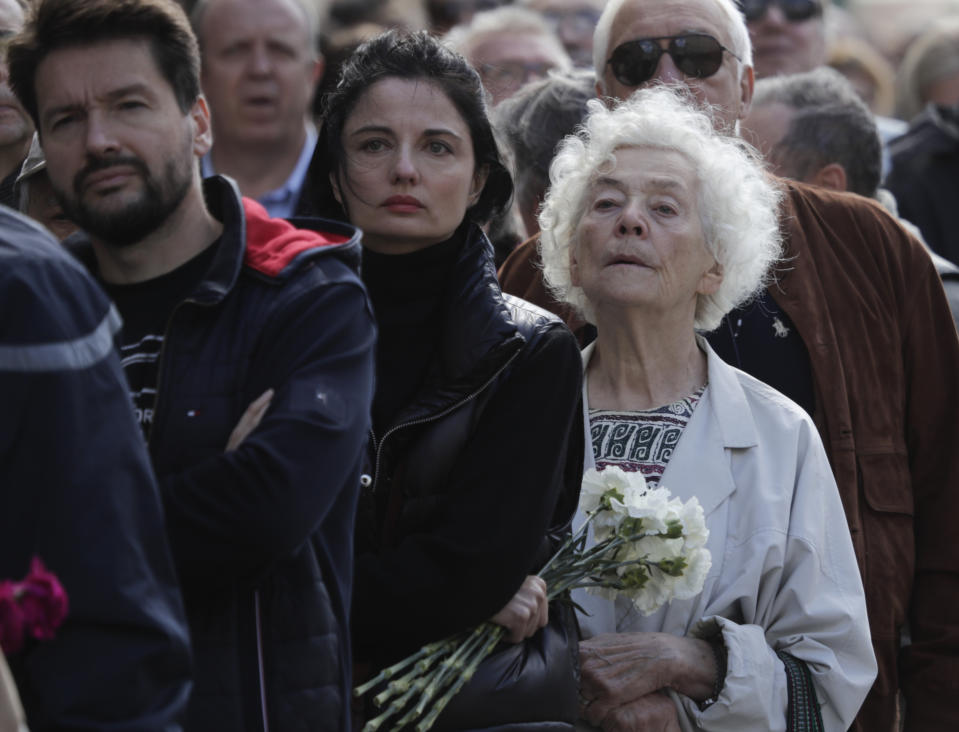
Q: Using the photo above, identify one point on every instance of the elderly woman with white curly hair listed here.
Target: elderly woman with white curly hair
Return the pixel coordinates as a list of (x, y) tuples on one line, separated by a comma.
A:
[(654, 227)]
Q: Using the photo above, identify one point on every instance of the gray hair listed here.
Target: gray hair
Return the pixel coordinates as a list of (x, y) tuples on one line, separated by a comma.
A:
[(831, 125), (737, 202), (534, 121), (739, 41), (932, 56), (466, 37)]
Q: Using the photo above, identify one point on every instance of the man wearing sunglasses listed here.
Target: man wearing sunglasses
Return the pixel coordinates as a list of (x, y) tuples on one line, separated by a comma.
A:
[(856, 329)]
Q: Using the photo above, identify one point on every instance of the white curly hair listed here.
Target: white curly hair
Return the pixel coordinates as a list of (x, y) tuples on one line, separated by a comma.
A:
[(738, 203)]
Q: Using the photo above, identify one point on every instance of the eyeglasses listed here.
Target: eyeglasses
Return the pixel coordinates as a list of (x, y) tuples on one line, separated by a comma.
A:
[(513, 74), (794, 10), (695, 54)]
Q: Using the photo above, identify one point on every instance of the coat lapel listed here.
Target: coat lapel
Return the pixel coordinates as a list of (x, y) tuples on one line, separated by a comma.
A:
[(721, 422)]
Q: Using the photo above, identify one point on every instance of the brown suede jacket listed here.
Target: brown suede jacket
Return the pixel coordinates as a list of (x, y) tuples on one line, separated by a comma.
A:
[(869, 306)]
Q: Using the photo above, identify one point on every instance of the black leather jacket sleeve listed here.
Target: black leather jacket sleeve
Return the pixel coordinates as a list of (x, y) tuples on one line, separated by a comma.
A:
[(507, 483)]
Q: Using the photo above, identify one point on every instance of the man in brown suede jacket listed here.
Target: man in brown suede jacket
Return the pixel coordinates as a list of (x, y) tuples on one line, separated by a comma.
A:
[(856, 329)]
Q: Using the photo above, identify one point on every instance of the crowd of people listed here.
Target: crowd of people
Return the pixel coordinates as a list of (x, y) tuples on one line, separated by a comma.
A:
[(312, 318)]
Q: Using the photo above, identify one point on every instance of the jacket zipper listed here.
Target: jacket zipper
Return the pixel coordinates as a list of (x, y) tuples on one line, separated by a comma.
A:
[(261, 671), (433, 417), (163, 347), (259, 658)]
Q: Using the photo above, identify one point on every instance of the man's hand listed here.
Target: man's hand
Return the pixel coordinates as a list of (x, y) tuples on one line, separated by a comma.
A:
[(527, 612), (250, 420), (621, 668)]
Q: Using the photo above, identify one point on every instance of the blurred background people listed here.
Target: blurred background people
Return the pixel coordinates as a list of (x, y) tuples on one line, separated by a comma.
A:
[(787, 35), (509, 47), (573, 21), (260, 67), (925, 177), (445, 14), (929, 73), (813, 127), (871, 75), (532, 123), (16, 127), (36, 197)]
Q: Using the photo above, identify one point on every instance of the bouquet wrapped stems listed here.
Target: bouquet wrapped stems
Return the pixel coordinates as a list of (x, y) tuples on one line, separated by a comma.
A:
[(646, 547)]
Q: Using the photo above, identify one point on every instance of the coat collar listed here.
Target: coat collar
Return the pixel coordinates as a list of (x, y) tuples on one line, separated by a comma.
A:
[(479, 336), (722, 421), (225, 203)]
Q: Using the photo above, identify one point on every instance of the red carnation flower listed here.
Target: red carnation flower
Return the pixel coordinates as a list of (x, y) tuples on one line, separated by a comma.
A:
[(35, 606), (43, 601)]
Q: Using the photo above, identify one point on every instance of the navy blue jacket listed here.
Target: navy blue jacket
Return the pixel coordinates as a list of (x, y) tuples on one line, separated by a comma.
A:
[(262, 536), (76, 489)]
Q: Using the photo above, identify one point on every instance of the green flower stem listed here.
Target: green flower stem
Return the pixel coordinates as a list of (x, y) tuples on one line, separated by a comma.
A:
[(396, 707), (573, 540), (445, 672), (425, 682), (386, 674), (475, 661)]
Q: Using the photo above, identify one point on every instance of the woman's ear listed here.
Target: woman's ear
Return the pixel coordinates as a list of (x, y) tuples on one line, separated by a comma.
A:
[(335, 186), (479, 183), (573, 265), (711, 279)]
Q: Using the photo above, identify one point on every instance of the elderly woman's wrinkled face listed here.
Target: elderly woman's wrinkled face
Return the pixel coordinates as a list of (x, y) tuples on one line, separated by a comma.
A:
[(640, 242)]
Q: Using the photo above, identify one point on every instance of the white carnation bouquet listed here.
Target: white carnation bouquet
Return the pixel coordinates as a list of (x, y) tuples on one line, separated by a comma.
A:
[(646, 545)]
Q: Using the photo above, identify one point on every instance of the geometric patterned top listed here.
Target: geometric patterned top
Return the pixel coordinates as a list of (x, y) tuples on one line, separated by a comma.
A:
[(643, 440)]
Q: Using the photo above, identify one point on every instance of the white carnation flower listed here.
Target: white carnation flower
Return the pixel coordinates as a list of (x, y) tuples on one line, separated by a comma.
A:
[(651, 508), (693, 578), (655, 594), (655, 548), (694, 524), (591, 494)]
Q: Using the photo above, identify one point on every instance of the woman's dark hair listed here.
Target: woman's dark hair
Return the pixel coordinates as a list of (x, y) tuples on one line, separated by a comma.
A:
[(58, 24), (413, 56)]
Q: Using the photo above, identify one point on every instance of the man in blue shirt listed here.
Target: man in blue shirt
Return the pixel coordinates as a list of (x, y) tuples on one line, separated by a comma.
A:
[(260, 69)]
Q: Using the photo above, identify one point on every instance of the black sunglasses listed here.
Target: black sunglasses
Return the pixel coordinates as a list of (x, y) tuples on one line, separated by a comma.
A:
[(794, 10), (695, 54)]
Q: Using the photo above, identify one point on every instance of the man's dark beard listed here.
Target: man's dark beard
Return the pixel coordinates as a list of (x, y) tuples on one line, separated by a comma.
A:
[(138, 219)]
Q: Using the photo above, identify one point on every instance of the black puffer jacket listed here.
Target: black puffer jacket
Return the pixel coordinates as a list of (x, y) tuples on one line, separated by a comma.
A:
[(465, 486), (262, 535)]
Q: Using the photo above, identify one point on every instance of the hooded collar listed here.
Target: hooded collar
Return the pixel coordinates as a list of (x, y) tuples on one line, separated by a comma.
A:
[(478, 335), (273, 248)]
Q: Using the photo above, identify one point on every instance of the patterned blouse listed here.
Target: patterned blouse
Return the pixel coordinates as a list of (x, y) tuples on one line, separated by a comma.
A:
[(643, 440)]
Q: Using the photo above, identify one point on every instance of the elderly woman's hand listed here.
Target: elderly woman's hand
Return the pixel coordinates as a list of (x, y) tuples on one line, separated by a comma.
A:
[(621, 668), (526, 612), (654, 712)]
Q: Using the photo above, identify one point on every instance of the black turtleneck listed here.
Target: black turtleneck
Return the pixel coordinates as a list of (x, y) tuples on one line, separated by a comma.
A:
[(408, 294)]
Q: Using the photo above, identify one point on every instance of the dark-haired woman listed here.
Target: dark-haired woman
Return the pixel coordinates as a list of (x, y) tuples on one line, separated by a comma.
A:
[(476, 450)]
